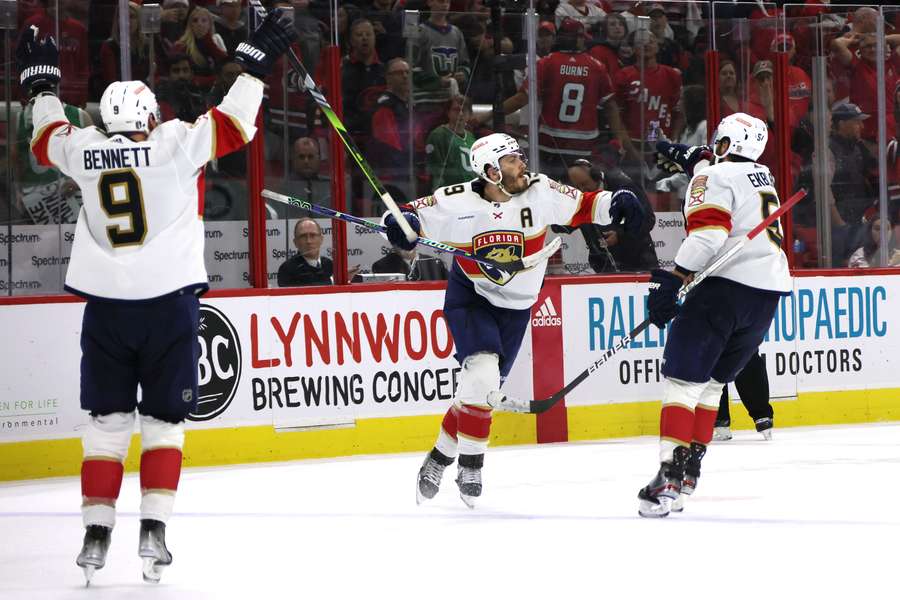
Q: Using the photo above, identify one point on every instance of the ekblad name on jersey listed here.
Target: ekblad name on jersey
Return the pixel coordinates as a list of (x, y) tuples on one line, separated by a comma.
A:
[(140, 231), (723, 203), (505, 231)]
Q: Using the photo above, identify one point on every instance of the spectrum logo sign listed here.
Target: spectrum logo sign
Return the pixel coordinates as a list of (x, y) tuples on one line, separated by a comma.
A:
[(546, 315)]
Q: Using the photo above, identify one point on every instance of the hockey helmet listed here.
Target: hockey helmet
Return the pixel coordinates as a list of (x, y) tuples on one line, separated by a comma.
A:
[(126, 106), (488, 150), (747, 136)]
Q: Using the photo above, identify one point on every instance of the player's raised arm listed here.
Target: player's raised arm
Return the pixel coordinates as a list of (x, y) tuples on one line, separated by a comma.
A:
[(572, 207), (37, 59)]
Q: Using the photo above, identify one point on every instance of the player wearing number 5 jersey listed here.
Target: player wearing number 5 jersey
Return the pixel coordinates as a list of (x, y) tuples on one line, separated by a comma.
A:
[(138, 260), (503, 216), (724, 319)]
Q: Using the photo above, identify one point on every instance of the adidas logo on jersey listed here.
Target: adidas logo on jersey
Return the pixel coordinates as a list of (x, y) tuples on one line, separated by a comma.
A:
[(546, 316)]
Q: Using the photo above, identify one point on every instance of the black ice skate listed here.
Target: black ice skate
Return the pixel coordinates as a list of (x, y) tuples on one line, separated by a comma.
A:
[(429, 480), (691, 475), (152, 548), (93, 553), (657, 497), (764, 426), (468, 478)]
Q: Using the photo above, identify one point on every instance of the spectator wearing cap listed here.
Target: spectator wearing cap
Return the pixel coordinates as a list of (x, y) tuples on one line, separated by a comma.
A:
[(546, 38), (586, 12), (670, 52), (230, 25), (854, 184), (613, 33)]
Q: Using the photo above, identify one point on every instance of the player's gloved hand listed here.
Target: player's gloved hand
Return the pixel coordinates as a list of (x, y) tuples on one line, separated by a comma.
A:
[(662, 303), (679, 158), (626, 210), (396, 236), (38, 62), (266, 44)]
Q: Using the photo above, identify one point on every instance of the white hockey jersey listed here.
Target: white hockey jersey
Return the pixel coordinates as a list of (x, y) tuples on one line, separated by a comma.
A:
[(140, 232), (505, 231), (722, 204)]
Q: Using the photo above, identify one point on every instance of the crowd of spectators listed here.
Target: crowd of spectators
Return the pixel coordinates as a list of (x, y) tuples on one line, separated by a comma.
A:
[(408, 88)]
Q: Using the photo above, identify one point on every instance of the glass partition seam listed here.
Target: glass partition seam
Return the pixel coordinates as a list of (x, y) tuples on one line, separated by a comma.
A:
[(881, 100)]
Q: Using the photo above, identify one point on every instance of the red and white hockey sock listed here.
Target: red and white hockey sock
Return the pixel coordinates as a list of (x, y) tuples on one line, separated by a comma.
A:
[(105, 443), (160, 467), (474, 429), (676, 428), (706, 411), (447, 443)]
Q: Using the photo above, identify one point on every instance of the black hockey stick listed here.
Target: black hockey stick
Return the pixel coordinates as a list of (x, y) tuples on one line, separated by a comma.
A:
[(526, 262), (502, 402), (342, 132)]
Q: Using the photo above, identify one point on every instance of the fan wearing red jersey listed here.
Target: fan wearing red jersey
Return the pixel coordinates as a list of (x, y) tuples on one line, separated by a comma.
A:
[(138, 261), (648, 93), (572, 85)]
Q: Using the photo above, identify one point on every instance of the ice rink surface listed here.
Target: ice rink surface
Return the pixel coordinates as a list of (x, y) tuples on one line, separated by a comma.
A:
[(811, 514)]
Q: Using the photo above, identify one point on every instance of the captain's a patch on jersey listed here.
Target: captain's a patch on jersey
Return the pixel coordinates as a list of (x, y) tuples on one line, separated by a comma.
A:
[(698, 191), (499, 246)]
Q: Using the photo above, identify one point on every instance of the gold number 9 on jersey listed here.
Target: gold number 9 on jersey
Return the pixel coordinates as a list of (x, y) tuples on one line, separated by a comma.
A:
[(121, 196)]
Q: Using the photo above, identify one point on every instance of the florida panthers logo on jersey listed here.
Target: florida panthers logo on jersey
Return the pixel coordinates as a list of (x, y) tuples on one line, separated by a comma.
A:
[(499, 246)]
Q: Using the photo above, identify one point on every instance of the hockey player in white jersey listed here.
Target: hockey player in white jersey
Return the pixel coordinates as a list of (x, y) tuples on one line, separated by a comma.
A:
[(138, 260), (504, 215), (724, 319)]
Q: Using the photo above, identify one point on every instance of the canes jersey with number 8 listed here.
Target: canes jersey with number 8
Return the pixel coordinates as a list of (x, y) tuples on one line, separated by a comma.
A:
[(140, 231), (460, 215)]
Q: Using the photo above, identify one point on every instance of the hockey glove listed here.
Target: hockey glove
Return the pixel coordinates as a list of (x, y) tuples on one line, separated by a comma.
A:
[(266, 44), (626, 210), (662, 303), (38, 62), (396, 236), (678, 158)]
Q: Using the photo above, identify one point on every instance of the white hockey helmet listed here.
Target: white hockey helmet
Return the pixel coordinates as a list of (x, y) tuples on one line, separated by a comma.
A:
[(126, 107), (488, 150), (747, 136)]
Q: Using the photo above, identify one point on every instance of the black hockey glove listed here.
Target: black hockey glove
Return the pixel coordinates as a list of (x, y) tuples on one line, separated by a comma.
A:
[(266, 44), (38, 62), (626, 210), (396, 236), (662, 303), (679, 158)]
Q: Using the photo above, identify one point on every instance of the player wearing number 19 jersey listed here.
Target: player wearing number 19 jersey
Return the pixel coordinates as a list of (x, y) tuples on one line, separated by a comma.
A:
[(138, 260)]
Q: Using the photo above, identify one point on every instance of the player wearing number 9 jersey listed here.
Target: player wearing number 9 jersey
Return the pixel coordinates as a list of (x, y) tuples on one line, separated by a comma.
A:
[(138, 260)]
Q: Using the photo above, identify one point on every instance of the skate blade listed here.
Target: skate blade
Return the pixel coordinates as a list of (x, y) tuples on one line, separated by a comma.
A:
[(88, 574), (767, 434), (678, 504), (468, 500), (654, 510), (152, 570)]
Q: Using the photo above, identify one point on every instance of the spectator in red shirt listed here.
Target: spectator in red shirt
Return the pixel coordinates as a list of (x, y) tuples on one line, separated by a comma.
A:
[(391, 144), (73, 51), (730, 100), (799, 83), (614, 33), (864, 83)]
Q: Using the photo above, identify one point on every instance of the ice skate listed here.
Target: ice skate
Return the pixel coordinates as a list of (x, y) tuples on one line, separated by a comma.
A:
[(468, 478), (428, 481), (721, 433), (152, 548), (691, 475), (764, 426), (657, 498), (93, 553)]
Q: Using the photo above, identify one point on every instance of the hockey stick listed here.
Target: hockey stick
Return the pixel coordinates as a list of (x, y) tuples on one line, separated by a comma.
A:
[(526, 262), (342, 132), (503, 402)]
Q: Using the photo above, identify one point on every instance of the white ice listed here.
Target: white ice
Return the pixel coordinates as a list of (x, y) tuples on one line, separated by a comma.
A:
[(811, 514)]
